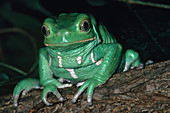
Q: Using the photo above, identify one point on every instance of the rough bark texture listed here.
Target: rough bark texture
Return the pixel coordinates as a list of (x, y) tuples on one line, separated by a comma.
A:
[(139, 90)]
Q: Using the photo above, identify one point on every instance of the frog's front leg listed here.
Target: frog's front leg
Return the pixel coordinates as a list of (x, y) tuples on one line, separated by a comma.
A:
[(105, 70), (49, 83)]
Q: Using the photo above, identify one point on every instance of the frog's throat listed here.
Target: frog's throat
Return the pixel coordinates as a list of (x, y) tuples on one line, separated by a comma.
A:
[(90, 39)]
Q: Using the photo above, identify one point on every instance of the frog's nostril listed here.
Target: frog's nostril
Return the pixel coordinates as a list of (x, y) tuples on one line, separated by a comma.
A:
[(45, 30)]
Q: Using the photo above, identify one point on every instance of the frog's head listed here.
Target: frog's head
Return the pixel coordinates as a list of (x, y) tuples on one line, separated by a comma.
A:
[(69, 30)]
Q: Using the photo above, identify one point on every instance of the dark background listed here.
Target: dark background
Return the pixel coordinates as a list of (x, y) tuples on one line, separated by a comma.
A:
[(143, 28)]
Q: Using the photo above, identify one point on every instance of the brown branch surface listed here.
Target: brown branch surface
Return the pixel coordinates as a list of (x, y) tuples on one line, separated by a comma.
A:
[(139, 90)]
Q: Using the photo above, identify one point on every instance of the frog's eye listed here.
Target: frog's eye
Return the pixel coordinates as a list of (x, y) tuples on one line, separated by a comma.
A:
[(45, 30), (84, 25)]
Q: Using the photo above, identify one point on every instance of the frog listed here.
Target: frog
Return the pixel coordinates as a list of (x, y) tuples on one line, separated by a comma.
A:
[(79, 51)]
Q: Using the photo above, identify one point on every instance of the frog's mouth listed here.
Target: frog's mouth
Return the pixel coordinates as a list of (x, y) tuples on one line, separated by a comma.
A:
[(69, 43)]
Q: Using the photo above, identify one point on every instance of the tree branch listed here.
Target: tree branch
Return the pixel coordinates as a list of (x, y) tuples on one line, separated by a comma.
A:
[(139, 90), (138, 2)]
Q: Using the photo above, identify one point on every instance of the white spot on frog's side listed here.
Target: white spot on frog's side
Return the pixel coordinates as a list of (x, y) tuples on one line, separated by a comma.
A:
[(79, 59), (59, 53), (50, 61), (98, 62), (60, 61), (92, 57), (72, 73)]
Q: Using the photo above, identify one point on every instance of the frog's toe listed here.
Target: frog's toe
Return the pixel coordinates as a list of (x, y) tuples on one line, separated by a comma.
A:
[(53, 89), (44, 99), (149, 62), (89, 100), (27, 89), (81, 89), (76, 96), (141, 66), (90, 90), (16, 100)]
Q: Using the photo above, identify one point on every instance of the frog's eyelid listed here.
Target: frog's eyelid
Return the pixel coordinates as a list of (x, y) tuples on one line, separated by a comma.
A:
[(54, 18)]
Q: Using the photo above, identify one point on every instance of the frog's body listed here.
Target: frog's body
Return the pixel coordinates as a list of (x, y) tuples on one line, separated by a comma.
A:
[(77, 50), (73, 65)]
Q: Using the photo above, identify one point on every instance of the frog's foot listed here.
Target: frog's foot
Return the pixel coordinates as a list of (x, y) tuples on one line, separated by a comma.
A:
[(53, 89), (132, 60), (142, 65), (25, 86), (91, 84)]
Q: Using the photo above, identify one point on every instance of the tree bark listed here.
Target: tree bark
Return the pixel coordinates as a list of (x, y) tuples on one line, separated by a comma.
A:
[(138, 90)]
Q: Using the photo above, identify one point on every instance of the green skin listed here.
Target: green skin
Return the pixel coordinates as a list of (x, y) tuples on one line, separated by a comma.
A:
[(77, 50)]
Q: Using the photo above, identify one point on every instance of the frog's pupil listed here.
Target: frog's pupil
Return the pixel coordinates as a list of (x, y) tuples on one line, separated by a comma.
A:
[(86, 26), (45, 30)]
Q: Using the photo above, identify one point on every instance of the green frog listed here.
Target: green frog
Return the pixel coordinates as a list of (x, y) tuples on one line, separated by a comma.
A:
[(78, 51)]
